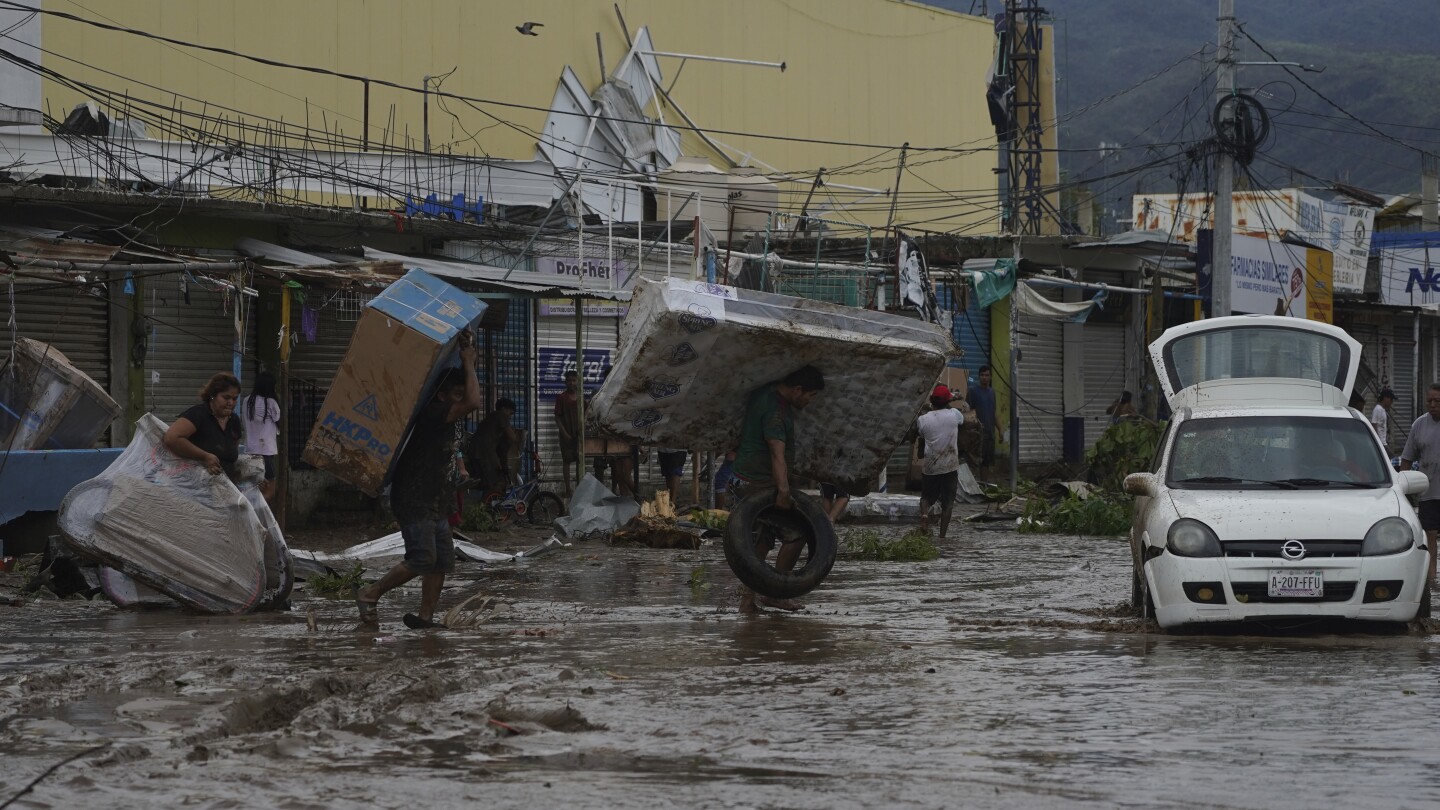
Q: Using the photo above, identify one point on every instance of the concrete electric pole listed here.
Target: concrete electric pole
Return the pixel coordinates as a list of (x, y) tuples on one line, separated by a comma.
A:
[(1224, 165)]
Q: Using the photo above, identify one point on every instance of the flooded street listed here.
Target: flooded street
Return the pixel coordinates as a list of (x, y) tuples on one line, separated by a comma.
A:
[(1006, 673)]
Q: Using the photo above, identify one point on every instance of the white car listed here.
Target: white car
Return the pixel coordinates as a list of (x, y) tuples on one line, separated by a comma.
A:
[(1268, 498)]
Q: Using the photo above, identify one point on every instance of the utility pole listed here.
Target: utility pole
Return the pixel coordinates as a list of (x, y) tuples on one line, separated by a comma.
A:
[(1224, 165), (894, 192), (1429, 191)]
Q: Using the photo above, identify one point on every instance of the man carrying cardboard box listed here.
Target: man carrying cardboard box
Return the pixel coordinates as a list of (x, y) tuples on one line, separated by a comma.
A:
[(422, 494)]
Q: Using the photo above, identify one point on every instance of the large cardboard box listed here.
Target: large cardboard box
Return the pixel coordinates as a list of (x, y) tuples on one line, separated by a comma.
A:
[(404, 339)]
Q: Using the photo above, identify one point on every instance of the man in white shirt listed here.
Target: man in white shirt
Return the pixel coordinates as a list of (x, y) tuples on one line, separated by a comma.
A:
[(1380, 417), (939, 430)]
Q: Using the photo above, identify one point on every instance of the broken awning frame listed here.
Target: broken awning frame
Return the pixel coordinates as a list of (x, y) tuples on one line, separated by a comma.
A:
[(499, 279)]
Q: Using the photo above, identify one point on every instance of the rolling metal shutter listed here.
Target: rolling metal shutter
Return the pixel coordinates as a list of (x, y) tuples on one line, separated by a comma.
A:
[(71, 319), (1403, 379), (1103, 371), (1041, 388), (189, 342), (557, 332)]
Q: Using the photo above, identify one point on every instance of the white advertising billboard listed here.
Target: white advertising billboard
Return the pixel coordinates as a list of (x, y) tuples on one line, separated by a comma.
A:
[(1341, 227), (1344, 229), (1410, 276), (1273, 278)]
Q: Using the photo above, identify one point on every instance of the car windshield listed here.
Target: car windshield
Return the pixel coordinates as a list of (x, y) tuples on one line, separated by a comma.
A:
[(1276, 452), (1256, 351)]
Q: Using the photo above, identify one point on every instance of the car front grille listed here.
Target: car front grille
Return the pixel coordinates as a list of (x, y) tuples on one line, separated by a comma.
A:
[(1271, 548), (1252, 592)]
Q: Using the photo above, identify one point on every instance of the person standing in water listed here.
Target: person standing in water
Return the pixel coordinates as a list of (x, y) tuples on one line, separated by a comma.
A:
[(260, 418)]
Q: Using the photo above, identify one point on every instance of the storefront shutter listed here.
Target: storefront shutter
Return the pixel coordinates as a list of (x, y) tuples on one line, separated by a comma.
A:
[(1041, 388), (1103, 370), (191, 341), (72, 319)]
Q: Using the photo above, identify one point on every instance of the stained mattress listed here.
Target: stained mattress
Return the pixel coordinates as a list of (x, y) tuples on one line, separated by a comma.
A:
[(691, 353)]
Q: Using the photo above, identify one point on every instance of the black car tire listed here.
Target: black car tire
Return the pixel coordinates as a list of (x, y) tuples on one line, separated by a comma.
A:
[(755, 516)]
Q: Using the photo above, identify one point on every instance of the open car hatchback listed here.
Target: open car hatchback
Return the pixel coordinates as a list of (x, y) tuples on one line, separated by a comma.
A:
[(1268, 498)]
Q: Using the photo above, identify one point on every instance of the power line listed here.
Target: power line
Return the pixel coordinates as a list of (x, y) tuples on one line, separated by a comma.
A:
[(1297, 77)]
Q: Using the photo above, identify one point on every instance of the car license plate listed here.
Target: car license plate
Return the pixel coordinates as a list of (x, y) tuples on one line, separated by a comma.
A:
[(1297, 584)]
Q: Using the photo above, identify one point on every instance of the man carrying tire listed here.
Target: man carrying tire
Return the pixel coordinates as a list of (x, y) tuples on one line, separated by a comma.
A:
[(764, 458)]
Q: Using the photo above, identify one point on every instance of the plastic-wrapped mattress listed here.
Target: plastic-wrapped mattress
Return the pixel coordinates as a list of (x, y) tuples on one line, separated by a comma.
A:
[(691, 353), (171, 525)]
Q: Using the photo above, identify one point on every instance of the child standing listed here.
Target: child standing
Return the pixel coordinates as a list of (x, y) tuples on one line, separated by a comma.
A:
[(260, 416)]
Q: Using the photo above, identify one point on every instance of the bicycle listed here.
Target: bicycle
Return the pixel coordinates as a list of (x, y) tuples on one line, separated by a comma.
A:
[(526, 499)]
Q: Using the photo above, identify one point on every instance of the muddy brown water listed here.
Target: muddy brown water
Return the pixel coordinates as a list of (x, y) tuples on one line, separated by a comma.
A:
[(1004, 674)]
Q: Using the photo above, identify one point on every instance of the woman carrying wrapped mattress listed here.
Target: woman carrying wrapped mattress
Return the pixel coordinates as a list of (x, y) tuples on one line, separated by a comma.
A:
[(210, 431)]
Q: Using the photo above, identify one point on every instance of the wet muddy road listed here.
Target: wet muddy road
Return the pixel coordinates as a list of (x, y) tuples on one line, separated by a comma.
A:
[(1003, 674)]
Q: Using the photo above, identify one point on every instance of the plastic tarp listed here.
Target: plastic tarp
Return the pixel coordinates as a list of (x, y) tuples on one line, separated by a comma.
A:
[(691, 353), (391, 545), (595, 509), (171, 525), (993, 278), (1034, 304)]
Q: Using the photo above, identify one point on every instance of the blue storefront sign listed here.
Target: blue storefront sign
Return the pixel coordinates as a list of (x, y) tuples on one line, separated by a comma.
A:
[(552, 363)]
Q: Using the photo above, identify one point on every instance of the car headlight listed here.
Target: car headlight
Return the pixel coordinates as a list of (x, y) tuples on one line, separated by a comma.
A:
[(1390, 536), (1191, 538)]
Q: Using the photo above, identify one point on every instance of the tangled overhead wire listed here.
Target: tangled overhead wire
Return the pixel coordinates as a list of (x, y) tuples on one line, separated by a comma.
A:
[(1242, 126)]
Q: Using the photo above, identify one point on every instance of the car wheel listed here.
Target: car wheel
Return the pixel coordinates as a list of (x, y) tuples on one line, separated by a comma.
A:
[(1140, 595), (756, 519), (545, 508), (1139, 588), (1424, 611)]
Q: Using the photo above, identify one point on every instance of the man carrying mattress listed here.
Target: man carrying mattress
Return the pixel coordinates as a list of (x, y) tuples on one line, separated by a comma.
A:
[(764, 458), (422, 495)]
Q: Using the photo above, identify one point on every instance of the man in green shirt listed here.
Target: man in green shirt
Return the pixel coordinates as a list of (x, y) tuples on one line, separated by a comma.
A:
[(764, 458)]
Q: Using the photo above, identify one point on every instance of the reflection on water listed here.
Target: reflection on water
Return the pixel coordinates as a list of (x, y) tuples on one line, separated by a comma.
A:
[(1003, 673)]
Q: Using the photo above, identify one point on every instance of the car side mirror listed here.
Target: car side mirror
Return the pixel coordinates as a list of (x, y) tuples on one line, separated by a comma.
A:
[(1141, 484), (1412, 482)]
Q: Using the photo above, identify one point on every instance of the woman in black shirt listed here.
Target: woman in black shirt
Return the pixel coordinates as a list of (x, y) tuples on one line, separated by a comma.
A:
[(210, 432)]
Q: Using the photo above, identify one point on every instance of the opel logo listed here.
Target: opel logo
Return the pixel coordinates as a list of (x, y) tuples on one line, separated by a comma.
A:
[(1293, 550)]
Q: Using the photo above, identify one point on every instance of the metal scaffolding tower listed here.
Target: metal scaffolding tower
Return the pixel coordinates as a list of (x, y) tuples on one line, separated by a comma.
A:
[(1027, 203)]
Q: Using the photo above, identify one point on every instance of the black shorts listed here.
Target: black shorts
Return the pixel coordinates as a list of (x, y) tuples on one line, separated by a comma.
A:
[(940, 488), (830, 492), (1430, 516), (672, 465)]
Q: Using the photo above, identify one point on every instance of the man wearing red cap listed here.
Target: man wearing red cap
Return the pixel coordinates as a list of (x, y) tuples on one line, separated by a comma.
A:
[(939, 430)]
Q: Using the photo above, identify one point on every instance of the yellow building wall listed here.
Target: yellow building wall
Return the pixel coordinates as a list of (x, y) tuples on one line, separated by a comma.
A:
[(864, 71)]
